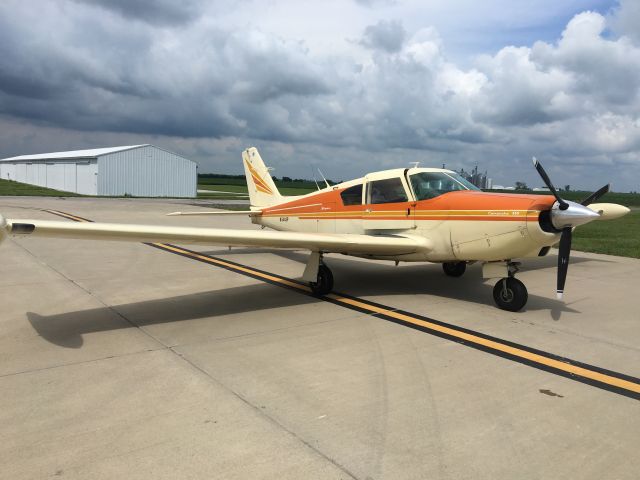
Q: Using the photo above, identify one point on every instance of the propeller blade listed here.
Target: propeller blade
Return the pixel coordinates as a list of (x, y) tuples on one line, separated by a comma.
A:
[(563, 259), (595, 195), (545, 178)]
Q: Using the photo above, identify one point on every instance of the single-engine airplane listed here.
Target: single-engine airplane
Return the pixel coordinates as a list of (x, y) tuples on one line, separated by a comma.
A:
[(403, 215)]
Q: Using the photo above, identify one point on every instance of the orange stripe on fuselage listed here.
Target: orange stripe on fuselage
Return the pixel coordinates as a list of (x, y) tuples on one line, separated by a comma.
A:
[(461, 205)]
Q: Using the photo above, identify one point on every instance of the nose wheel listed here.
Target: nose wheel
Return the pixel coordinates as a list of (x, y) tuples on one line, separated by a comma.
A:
[(324, 281), (510, 294)]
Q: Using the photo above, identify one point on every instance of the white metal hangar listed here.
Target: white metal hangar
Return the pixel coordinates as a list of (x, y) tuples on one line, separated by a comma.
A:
[(136, 170)]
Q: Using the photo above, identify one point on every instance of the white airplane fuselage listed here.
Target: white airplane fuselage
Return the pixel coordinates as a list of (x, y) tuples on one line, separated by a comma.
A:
[(462, 225)]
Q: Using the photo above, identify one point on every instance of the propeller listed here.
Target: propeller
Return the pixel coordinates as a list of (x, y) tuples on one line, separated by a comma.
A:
[(595, 195), (565, 215), (563, 205), (563, 259)]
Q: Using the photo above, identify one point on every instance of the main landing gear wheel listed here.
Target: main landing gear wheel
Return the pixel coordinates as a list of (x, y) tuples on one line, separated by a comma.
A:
[(454, 269), (324, 283), (510, 294)]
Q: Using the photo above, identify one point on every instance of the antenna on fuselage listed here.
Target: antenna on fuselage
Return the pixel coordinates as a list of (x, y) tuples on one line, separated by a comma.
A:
[(415, 164), (313, 175), (323, 177), (316, 182)]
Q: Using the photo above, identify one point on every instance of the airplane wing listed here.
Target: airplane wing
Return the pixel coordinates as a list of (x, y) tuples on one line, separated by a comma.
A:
[(353, 244)]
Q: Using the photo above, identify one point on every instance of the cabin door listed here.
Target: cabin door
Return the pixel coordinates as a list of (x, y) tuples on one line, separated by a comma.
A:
[(388, 204)]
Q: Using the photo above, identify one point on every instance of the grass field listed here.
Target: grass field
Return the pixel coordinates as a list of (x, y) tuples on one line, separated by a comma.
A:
[(613, 237), (210, 179), (234, 190)]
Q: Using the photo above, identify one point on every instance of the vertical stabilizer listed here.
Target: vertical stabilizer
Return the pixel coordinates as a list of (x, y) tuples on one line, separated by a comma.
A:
[(262, 191)]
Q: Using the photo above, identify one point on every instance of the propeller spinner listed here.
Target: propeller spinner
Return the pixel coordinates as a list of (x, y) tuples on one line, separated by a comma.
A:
[(565, 215)]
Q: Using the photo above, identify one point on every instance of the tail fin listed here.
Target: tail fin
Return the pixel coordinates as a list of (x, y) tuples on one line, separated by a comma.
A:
[(262, 191)]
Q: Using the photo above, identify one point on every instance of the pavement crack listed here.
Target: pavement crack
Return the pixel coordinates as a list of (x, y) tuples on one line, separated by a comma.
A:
[(262, 412), (81, 362)]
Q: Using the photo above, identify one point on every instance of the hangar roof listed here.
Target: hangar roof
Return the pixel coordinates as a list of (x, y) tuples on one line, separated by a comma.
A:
[(92, 153)]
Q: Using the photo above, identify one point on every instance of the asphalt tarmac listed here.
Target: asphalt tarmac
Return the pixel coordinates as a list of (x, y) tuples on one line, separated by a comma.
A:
[(124, 360)]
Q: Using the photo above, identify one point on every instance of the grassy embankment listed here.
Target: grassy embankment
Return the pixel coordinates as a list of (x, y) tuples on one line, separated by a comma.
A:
[(9, 188)]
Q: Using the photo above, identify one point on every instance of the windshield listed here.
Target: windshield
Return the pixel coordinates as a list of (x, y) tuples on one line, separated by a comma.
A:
[(428, 185)]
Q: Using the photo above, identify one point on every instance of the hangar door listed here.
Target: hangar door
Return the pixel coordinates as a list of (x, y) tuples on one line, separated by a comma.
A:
[(32, 174), (87, 178), (69, 177), (21, 172), (55, 176)]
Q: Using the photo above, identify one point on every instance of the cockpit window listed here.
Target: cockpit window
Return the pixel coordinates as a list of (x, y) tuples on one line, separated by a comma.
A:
[(389, 190), (352, 195), (428, 185)]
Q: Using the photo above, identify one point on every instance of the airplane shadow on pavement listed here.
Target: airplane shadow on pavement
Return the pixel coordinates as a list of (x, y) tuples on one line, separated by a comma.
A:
[(66, 329), (357, 278)]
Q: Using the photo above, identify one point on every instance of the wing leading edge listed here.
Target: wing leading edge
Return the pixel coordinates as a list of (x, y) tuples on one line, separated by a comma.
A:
[(353, 244)]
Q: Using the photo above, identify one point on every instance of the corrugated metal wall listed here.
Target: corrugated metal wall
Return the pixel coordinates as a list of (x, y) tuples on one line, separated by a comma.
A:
[(146, 172), (66, 175)]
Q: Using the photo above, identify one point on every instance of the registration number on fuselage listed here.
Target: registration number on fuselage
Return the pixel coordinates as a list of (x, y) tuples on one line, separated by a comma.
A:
[(504, 213)]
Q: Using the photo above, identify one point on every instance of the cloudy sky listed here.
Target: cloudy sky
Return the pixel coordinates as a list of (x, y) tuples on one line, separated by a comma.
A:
[(349, 86)]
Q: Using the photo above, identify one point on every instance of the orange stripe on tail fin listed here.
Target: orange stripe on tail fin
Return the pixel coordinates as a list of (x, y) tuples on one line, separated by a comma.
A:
[(262, 190)]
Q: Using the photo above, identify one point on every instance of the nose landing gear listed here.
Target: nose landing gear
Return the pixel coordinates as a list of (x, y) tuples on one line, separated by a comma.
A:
[(510, 293)]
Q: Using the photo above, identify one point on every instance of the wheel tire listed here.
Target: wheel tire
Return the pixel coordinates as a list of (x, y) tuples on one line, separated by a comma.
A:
[(511, 298), (324, 283), (454, 269)]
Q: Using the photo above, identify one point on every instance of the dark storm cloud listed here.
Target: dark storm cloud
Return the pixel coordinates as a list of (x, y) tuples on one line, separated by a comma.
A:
[(386, 35), (114, 78), (161, 12)]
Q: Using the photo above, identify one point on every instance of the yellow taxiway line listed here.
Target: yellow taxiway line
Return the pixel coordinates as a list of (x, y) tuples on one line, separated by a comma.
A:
[(606, 379)]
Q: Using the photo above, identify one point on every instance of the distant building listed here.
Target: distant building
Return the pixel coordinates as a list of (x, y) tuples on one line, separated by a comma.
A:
[(541, 189), (138, 170), (480, 180)]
